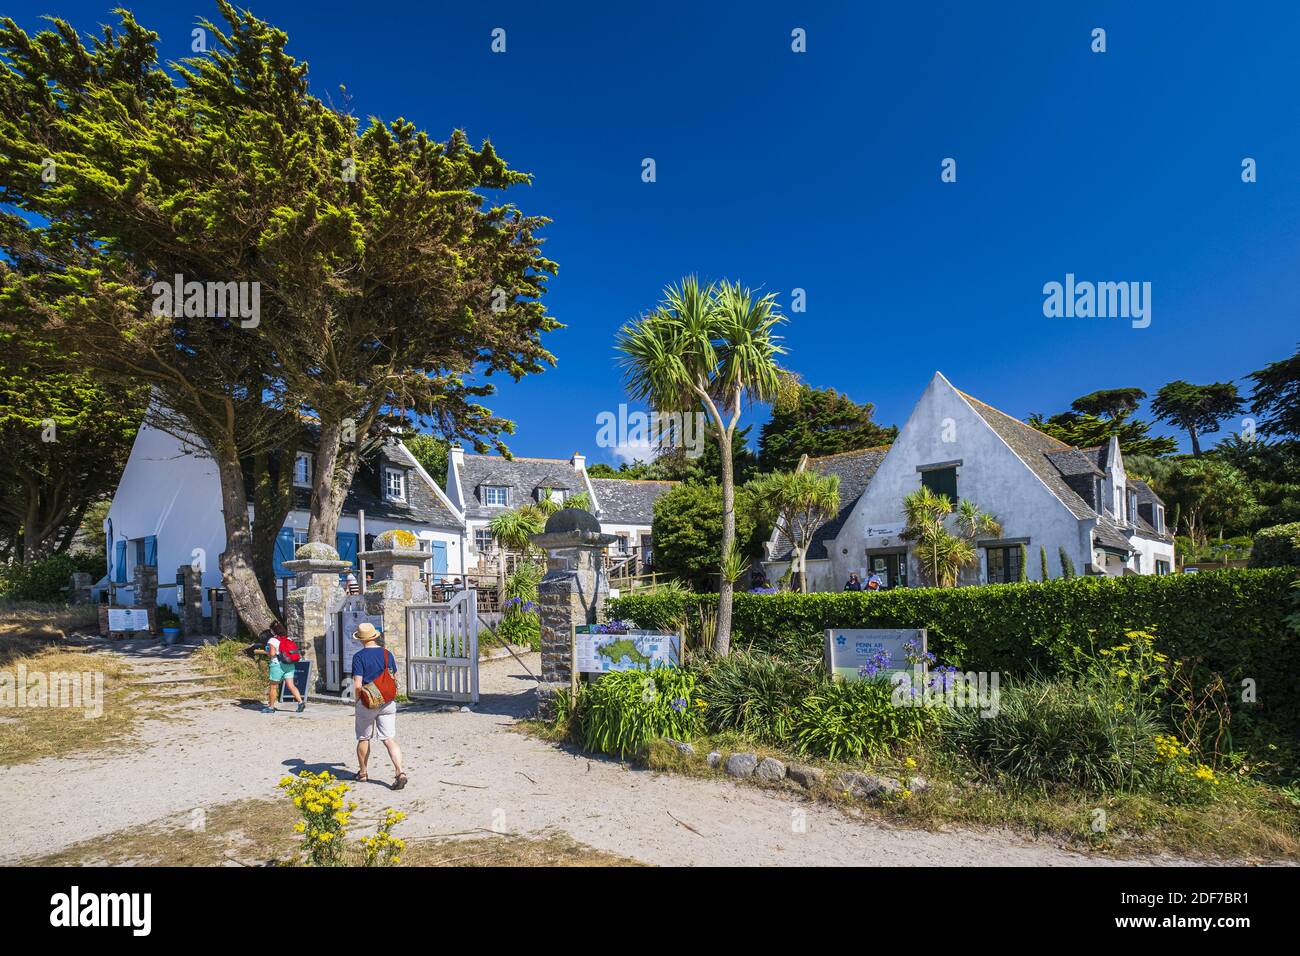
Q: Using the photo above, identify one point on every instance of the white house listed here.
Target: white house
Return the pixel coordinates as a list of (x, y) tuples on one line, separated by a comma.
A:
[(166, 512), (483, 486), (1046, 495)]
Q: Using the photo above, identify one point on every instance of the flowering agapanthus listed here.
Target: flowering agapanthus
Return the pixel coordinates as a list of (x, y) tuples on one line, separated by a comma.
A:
[(679, 704), (762, 591), (877, 663), (613, 627)]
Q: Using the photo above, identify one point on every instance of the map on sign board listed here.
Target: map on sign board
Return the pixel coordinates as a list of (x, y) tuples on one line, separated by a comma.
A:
[(858, 653), (630, 650), (128, 619)]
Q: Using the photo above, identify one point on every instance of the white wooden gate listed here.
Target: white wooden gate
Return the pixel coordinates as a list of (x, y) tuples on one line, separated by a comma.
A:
[(442, 649)]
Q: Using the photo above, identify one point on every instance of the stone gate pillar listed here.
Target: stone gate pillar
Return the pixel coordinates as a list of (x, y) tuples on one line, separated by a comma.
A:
[(572, 593), (397, 560), (189, 599), (317, 567), (146, 586)]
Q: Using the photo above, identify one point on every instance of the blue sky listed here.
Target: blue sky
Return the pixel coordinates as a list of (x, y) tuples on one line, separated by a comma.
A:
[(821, 171)]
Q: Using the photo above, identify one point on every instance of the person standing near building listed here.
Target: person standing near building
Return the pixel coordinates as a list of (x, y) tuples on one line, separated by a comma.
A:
[(284, 655)]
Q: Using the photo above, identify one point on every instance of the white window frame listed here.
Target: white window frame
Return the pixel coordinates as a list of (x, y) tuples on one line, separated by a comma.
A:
[(1159, 514), (299, 538), (490, 540), (487, 496), (301, 457), (389, 473)]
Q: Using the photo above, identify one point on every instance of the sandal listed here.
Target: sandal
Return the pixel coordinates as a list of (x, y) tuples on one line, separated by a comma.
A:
[(362, 777), (400, 782)]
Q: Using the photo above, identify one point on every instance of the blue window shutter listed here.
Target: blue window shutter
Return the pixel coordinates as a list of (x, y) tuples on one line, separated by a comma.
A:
[(346, 543), (284, 551), (119, 562), (151, 551), (439, 549)]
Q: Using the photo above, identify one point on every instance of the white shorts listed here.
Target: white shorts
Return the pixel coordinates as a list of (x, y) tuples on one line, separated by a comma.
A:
[(380, 722)]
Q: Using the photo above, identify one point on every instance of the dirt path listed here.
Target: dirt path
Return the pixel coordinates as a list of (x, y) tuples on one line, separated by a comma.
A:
[(469, 772)]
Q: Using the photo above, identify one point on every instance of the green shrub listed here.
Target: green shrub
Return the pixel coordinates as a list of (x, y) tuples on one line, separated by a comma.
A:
[(845, 720), (1276, 547), (1233, 620), (623, 711), (756, 694), (1054, 733), (47, 579)]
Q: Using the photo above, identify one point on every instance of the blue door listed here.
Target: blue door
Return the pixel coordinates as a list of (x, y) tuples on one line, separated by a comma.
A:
[(439, 550), (284, 551), (346, 543)]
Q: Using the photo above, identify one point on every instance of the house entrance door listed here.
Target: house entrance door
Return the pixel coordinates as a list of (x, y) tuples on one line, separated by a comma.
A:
[(890, 566)]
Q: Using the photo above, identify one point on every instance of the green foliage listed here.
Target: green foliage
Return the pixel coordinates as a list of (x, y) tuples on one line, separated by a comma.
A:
[(1276, 398), (845, 720), (688, 526), (1276, 547), (1067, 563), (46, 580), (818, 422), (795, 503), (431, 452), (514, 528), (1042, 563), (622, 712), (1198, 409), (1024, 564), (1232, 619), (758, 695), (1053, 733), (941, 554), (1089, 429)]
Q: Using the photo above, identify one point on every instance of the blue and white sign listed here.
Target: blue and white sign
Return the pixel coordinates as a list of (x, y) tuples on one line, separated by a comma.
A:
[(868, 653)]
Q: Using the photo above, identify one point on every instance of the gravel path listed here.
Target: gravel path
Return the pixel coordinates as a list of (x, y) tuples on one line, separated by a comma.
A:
[(468, 772)]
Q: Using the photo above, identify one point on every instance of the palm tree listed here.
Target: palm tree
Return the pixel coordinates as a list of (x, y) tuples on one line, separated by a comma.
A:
[(796, 503), (942, 554), (514, 529), (713, 347)]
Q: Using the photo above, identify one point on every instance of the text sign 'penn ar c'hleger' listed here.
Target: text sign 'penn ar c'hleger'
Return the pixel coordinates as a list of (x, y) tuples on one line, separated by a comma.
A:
[(630, 650), (857, 653)]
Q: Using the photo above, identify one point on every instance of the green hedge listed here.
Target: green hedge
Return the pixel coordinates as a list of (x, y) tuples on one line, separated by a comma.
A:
[(1276, 547), (1233, 619)]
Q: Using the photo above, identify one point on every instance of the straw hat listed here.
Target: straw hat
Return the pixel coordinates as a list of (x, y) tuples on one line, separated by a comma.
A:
[(366, 633)]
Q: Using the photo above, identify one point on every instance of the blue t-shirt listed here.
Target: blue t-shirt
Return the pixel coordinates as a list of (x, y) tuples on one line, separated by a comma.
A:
[(368, 663)]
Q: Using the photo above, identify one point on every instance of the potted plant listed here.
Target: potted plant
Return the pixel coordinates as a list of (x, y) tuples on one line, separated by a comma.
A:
[(170, 624)]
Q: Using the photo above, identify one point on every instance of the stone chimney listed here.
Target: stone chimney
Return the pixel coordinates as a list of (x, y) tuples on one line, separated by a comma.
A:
[(456, 456)]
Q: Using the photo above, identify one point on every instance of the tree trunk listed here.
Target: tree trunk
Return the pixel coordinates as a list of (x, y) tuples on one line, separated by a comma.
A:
[(335, 466), (722, 637), (237, 571), (803, 571), (1196, 441), (272, 500)]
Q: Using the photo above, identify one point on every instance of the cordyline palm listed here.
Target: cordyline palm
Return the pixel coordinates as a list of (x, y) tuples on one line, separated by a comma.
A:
[(515, 528), (713, 347), (940, 553), (796, 503)]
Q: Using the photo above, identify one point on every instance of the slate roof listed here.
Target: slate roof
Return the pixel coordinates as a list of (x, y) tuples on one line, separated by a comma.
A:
[(523, 476), (1109, 534), (422, 505), (855, 470), (627, 501)]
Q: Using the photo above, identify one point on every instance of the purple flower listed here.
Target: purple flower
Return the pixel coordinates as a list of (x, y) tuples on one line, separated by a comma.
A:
[(679, 704)]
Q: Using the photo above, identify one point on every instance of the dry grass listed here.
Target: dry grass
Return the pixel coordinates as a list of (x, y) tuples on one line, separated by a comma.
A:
[(247, 676), (260, 832), (37, 621), (31, 732)]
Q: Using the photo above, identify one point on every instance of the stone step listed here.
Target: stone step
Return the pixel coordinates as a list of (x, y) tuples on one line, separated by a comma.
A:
[(177, 679)]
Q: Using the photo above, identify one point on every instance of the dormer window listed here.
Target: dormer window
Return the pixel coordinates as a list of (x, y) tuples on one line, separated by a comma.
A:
[(1132, 506), (1099, 495), (555, 495), (394, 484), (497, 496), (302, 467), (1159, 518)]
